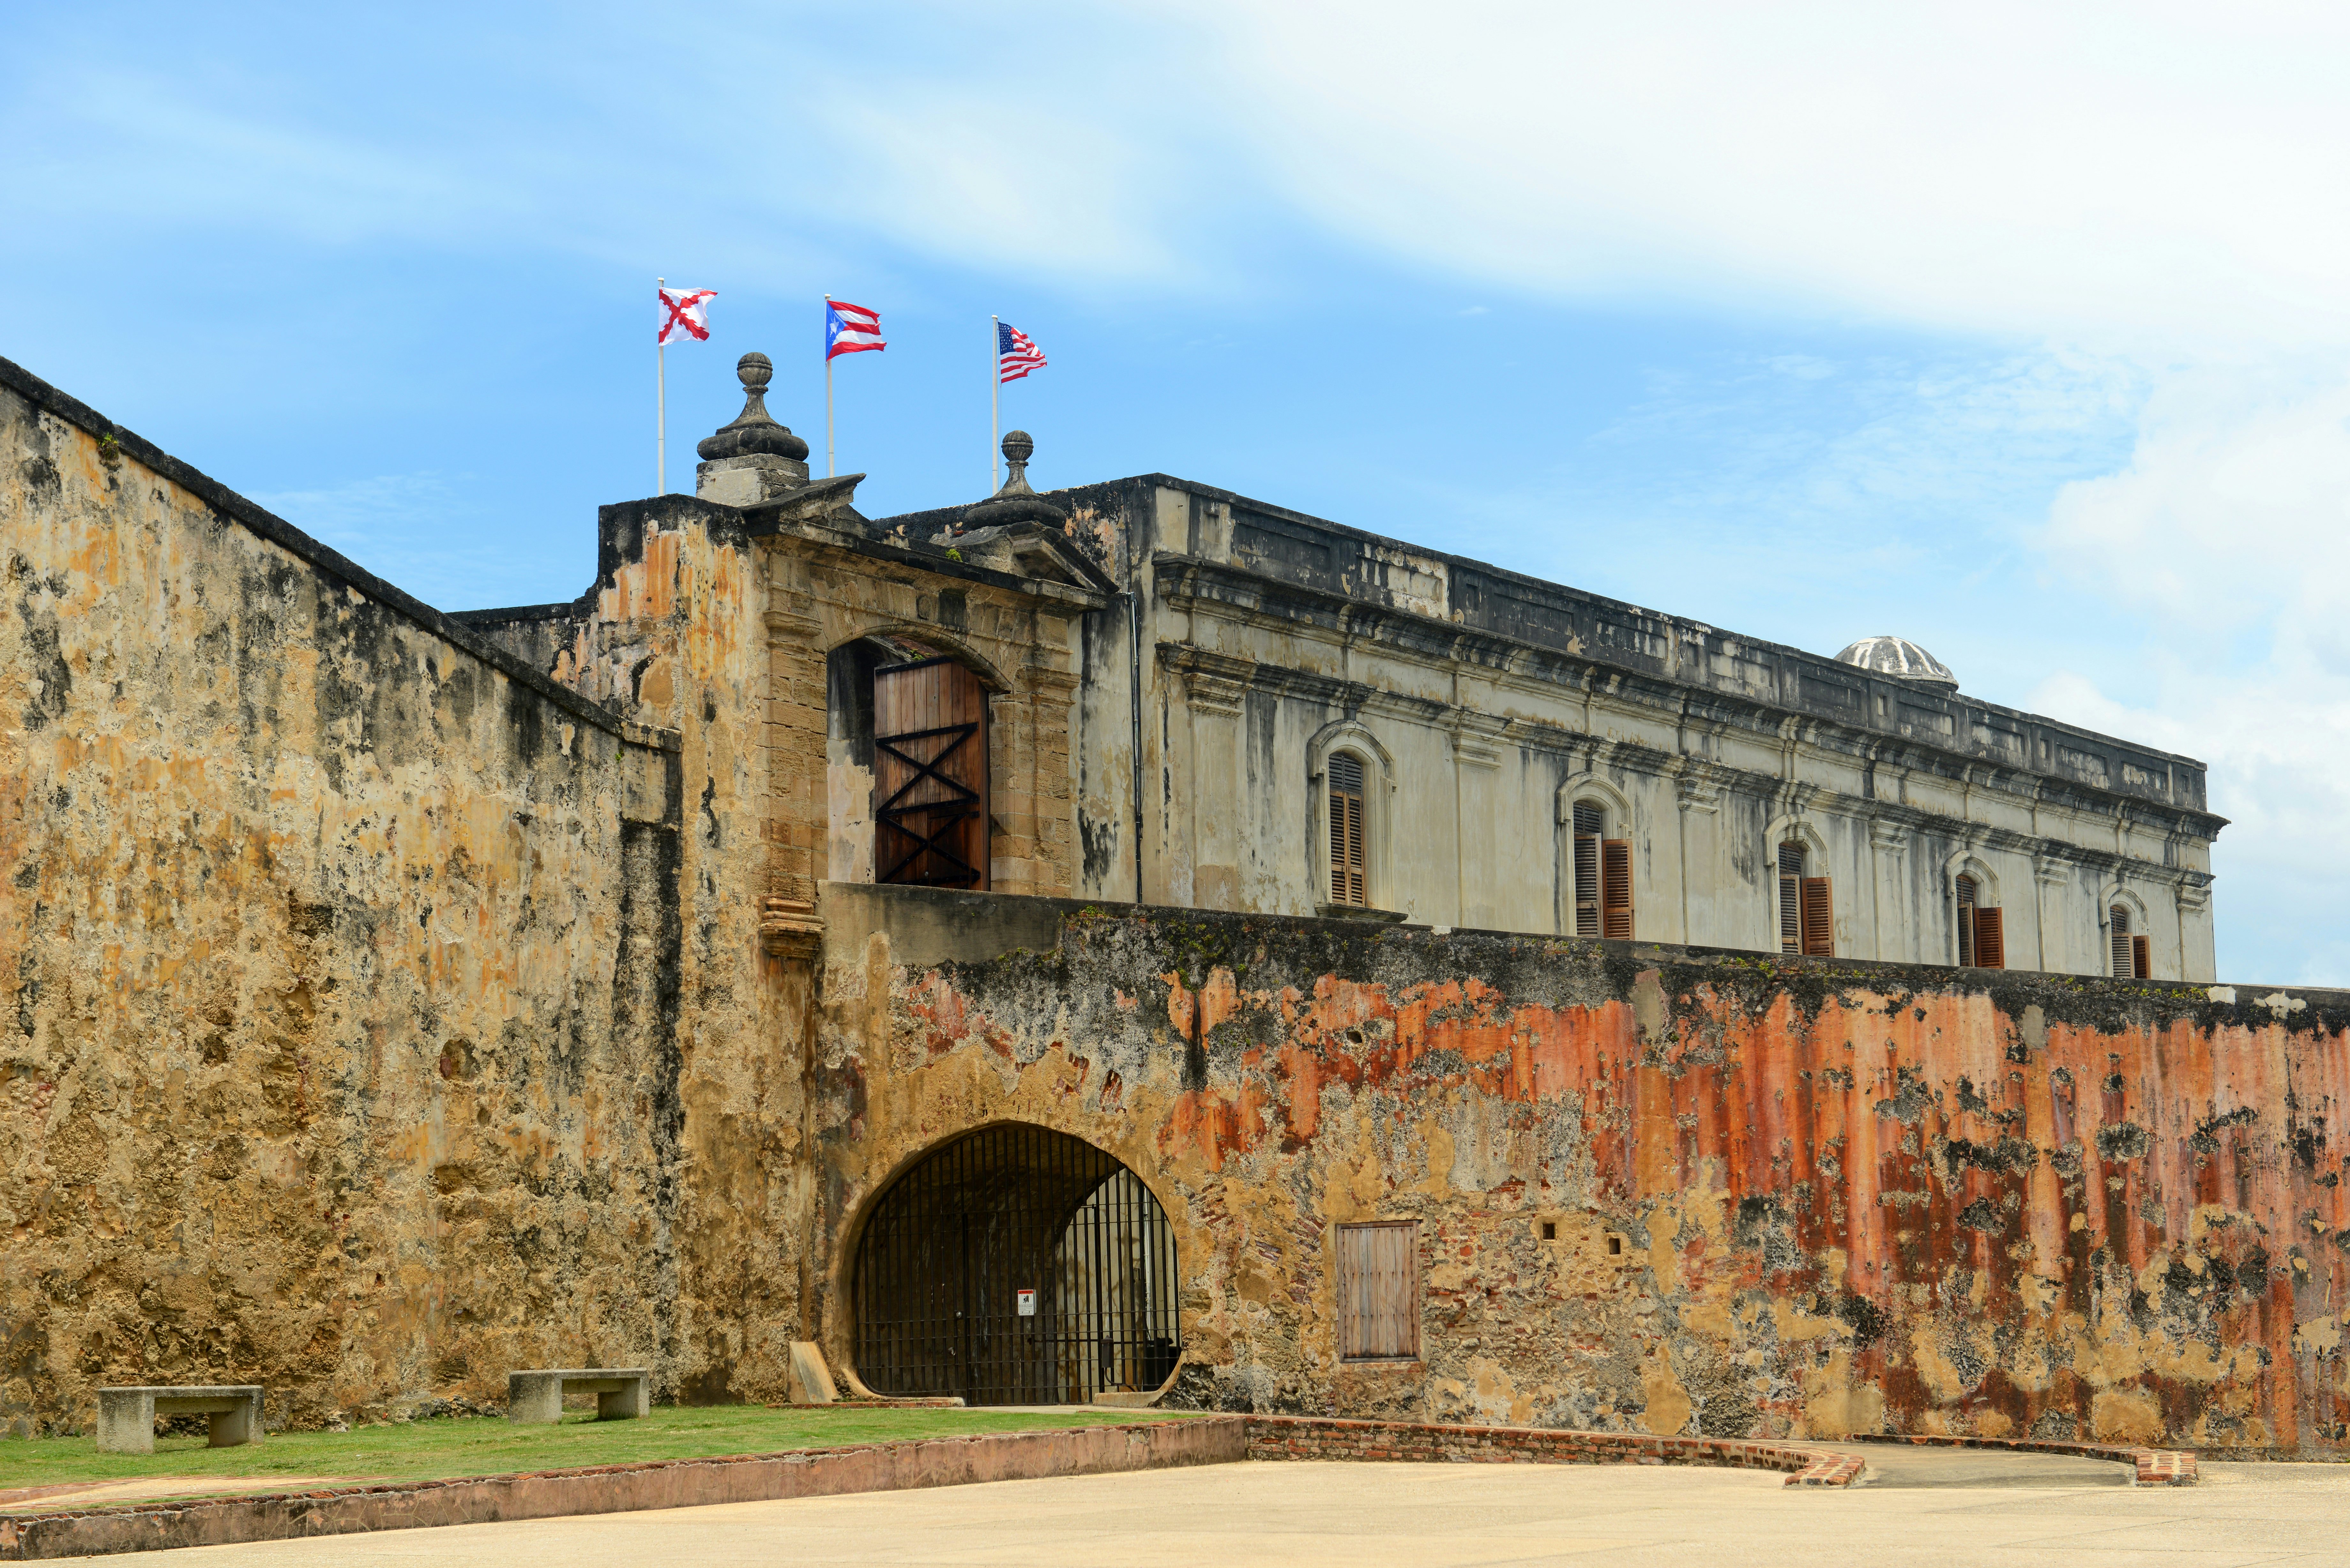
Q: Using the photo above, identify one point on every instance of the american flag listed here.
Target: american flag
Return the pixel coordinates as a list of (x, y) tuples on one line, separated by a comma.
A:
[(1014, 355)]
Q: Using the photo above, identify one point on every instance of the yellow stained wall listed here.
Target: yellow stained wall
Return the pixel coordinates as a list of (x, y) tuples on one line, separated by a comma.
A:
[(335, 1053)]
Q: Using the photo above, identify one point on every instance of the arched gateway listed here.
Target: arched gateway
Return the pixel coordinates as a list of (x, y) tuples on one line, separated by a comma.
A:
[(1016, 1265)]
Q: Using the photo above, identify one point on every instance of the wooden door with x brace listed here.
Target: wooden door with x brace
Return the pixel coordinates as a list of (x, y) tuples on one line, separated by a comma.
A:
[(930, 775)]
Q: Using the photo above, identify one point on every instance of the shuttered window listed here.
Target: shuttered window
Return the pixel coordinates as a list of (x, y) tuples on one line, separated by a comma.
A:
[(1806, 909), (1615, 889), (2125, 959), (930, 775), (1379, 1290), (1819, 919), (1991, 940), (1590, 822), (1966, 919), (2141, 958), (1603, 876), (1982, 941), (1791, 898), (1348, 881)]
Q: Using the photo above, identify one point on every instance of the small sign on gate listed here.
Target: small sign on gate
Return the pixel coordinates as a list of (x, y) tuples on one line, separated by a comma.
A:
[(1027, 1302)]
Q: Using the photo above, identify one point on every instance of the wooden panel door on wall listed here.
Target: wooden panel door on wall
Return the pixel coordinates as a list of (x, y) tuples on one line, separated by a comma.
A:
[(930, 775), (1379, 1290)]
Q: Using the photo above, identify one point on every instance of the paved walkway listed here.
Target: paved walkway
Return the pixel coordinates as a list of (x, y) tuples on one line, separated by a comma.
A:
[(1967, 1509)]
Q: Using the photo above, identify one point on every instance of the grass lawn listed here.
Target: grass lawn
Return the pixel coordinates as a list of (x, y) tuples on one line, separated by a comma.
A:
[(477, 1445)]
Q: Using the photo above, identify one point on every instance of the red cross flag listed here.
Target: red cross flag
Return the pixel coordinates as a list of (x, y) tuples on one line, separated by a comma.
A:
[(685, 314)]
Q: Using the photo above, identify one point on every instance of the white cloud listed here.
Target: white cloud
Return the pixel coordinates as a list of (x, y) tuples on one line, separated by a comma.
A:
[(2234, 507), (2153, 172), (2229, 531)]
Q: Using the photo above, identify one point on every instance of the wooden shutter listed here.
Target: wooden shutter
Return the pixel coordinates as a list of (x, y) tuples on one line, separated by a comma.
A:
[(1966, 888), (1586, 884), (1991, 942), (2124, 967), (930, 775), (1379, 1290), (2142, 958), (1589, 822), (1819, 919), (1791, 898), (1349, 883), (1615, 889)]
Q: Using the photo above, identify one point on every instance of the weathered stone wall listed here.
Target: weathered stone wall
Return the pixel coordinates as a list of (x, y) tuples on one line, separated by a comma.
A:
[(1848, 1196), (669, 635), (338, 956)]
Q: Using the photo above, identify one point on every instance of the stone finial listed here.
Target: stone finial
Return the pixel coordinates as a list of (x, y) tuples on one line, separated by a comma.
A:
[(1017, 500), (1018, 447), (755, 431)]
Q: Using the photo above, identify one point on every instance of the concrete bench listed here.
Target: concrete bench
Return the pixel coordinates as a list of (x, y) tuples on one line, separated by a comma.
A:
[(621, 1393), (126, 1416)]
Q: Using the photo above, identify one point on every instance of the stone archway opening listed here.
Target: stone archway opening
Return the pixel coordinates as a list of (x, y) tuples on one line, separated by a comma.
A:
[(1016, 1265)]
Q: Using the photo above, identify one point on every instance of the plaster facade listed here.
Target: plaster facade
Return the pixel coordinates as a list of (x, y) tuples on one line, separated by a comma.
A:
[(1484, 705)]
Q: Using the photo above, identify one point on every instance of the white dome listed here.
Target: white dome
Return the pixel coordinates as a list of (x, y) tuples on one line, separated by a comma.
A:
[(1897, 656)]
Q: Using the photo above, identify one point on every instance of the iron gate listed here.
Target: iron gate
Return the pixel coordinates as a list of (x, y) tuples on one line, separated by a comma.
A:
[(955, 1241)]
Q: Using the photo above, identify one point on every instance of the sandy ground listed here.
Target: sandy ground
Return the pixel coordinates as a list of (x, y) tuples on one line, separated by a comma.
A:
[(1925, 1507)]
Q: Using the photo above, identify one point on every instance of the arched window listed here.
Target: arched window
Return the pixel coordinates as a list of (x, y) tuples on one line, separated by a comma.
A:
[(1349, 876), (1603, 876), (1983, 943), (2132, 957), (1806, 910)]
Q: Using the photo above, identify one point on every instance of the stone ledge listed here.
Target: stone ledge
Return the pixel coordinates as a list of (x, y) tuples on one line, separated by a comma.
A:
[(1319, 1437), (2148, 1467)]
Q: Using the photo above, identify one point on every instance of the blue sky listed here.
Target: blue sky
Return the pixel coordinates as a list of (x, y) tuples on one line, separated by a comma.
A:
[(2024, 335)]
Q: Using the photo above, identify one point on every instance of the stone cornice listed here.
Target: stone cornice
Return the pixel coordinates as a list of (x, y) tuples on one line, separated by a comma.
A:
[(1253, 598), (839, 540)]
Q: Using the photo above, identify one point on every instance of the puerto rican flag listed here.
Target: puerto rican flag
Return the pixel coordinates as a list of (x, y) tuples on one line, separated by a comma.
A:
[(850, 328), (685, 314)]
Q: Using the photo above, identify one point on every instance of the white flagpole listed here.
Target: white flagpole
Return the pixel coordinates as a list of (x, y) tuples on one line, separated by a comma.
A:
[(994, 398), (661, 403), (828, 394)]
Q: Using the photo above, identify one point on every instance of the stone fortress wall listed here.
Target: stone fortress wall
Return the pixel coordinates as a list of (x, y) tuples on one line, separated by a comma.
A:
[(1787, 1196), (401, 997), (340, 1054)]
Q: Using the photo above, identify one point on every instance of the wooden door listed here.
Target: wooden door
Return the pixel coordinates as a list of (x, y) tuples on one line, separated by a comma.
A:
[(930, 775), (1379, 1290)]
